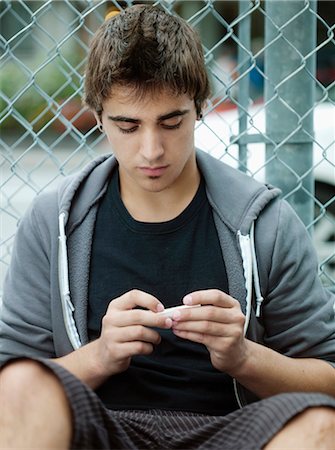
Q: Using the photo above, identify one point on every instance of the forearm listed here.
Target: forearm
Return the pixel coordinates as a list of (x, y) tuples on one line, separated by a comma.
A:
[(84, 365), (266, 372)]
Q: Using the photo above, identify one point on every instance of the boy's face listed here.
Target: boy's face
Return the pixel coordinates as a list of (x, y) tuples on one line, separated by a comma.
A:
[(152, 138)]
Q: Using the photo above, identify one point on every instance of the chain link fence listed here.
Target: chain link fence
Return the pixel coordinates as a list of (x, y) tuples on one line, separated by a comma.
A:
[(271, 113)]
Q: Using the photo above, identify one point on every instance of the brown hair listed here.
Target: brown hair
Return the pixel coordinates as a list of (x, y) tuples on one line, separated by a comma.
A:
[(148, 49)]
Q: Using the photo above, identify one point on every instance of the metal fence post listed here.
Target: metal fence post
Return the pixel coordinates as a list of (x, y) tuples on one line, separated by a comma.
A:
[(290, 37), (244, 51)]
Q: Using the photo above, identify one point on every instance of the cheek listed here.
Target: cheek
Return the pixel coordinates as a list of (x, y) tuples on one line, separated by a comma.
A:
[(185, 142), (183, 138), (119, 145), (112, 136)]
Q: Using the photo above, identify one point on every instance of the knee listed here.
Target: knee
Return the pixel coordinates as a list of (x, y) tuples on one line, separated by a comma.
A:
[(314, 428), (21, 376), (321, 419), (33, 401)]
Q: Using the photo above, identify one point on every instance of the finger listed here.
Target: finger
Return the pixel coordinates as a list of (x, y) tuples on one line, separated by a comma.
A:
[(138, 333), (211, 342), (210, 297), (126, 318), (136, 348), (209, 313), (134, 298), (200, 338), (203, 327)]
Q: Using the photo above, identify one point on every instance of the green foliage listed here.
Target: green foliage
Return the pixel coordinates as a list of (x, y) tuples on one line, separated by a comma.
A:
[(33, 97)]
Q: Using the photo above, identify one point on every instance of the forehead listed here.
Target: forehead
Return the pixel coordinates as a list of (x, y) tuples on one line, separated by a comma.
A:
[(128, 101)]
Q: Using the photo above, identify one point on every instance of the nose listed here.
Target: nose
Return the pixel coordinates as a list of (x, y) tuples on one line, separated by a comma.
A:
[(152, 148)]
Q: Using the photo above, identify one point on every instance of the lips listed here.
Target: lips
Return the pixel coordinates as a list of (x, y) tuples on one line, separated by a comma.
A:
[(153, 171)]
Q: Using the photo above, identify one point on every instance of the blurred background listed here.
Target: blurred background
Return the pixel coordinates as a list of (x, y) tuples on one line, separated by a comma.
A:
[(271, 113)]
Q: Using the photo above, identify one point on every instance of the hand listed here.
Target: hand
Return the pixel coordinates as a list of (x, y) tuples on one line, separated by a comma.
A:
[(127, 331), (218, 324)]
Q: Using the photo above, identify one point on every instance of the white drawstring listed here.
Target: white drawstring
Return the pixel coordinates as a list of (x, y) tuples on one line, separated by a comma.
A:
[(63, 277), (247, 268), (250, 267), (257, 285)]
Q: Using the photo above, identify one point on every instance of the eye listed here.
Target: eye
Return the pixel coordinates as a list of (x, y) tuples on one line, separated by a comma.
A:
[(127, 130), (172, 123)]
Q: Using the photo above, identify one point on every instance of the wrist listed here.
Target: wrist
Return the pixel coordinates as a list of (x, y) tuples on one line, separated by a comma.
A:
[(92, 359), (84, 363), (245, 363)]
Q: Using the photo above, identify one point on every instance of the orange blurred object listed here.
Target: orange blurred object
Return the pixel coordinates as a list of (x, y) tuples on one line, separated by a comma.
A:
[(111, 14)]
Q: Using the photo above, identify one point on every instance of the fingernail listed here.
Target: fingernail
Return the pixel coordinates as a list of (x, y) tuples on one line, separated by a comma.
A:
[(159, 307), (187, 299), (168, 322)]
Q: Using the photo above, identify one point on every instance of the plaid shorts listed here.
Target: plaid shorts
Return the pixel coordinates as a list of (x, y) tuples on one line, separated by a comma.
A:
[(249, 428)]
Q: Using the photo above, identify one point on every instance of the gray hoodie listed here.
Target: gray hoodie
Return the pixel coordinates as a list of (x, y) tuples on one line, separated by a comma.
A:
[(271, 267)]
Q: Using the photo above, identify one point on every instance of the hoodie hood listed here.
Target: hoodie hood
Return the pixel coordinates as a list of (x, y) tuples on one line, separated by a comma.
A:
[(78, 193), (239, 207)]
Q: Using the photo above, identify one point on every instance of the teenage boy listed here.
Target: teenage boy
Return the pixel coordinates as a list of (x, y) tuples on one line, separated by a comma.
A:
[(97, 359)]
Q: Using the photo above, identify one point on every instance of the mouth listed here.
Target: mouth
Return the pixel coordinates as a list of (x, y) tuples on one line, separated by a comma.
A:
[(153, 171)]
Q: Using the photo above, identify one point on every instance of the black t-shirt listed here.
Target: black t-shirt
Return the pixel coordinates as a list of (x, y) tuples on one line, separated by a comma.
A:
[(167, 260)]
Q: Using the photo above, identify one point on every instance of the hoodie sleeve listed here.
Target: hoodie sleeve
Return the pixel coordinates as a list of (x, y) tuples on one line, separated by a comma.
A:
[(298, 313), (25, 319)]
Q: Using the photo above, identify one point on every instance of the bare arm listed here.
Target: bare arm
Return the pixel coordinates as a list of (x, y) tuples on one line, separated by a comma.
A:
[(85, 365), (266, 372), (219, 324)]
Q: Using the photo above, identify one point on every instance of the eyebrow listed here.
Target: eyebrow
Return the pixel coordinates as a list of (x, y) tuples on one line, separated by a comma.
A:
[(175, 113), (161, 118)]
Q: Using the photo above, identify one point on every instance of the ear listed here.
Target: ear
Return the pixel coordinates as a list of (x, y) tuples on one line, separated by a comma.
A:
[(199, 107)]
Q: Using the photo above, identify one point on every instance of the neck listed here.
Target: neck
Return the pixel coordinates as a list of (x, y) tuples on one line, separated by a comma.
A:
[(161, 206)]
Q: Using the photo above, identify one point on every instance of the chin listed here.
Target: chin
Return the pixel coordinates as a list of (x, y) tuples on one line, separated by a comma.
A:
[(155, 184)]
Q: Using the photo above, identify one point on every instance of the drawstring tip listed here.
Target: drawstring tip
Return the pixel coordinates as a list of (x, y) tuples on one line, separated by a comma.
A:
[(259, 302)]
